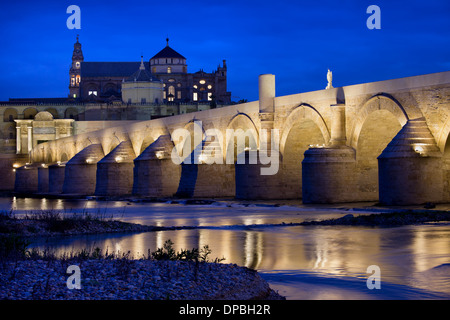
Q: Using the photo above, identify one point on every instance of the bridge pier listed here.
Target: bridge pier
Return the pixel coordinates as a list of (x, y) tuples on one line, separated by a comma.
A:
[(155, 174), (115, 171), (410, 169), (204, 177), (81, 171), (251, 184), (26, 179), (43, 179), (56, 173), (328, 175)]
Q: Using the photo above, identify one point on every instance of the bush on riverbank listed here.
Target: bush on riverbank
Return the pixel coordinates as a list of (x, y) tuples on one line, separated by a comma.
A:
[(49, 223), (186, 275)]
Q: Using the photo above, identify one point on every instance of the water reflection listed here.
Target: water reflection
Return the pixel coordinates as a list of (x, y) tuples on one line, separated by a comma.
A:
[(406, 255), (402, 253)]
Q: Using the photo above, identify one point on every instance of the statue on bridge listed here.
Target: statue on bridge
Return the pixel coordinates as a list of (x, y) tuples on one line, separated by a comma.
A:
[(330, 79)]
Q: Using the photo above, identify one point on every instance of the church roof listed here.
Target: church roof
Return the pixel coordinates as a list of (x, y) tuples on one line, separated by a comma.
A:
[(168, 52), (110, 69)]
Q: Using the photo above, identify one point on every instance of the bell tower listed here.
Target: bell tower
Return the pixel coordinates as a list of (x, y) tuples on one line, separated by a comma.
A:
[(75, 71)]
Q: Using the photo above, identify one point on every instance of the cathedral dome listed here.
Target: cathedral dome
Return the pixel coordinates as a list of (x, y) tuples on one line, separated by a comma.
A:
[(142, 75)]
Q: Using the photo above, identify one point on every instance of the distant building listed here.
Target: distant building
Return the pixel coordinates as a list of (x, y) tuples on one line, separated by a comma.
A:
[(103, 93), (103, 81), (142, 87)]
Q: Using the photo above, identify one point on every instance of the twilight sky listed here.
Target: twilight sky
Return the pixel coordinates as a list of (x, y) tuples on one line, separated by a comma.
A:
[(295, 40)]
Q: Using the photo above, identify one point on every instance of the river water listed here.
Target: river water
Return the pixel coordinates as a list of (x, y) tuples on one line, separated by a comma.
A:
[(301, 262)]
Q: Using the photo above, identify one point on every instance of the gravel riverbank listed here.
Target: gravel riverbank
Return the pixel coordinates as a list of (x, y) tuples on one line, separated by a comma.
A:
[(125, 279)]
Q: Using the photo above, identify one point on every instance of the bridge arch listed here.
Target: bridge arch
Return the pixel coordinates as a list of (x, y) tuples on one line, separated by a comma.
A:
[(304, 126), (301, 113), (244, 129), (380, 101), (376, 124), (192, 129)]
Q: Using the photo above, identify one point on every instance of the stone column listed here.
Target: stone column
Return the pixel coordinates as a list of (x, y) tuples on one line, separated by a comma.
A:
[(18, 140), (266, 84), (30, 138), (338, 130), (251, 183)]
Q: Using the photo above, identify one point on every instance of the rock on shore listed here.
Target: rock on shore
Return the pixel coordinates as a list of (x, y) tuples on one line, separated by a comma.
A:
[(132, 280)]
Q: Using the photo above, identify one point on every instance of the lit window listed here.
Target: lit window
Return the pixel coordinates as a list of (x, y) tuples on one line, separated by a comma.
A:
[(179, 85), (74, 95), (77, 64), (178, 94), (78, 79), (171, 93), (72, 81), (94, 92), (169, 70), (209, 96), (164, 95), (209, 86), (171, 80), (195, 96), (202, 81), (154, 70), (195, 86)]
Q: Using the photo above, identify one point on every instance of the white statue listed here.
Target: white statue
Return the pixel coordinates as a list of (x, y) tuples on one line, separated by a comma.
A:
[(330, 79)]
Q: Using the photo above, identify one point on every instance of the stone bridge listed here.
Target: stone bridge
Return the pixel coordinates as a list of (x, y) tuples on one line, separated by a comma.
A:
[(384, 141)]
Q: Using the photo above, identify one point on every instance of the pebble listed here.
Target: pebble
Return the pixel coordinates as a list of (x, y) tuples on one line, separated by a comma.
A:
[(146, 279)]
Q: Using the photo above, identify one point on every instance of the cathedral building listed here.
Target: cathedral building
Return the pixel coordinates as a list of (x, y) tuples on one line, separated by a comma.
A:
[(105, 81)]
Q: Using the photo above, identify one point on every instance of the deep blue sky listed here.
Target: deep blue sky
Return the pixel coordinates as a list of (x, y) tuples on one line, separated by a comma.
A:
[(295, 40)]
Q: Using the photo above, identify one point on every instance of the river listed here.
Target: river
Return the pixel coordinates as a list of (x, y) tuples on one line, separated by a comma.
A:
[(301, 262)]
